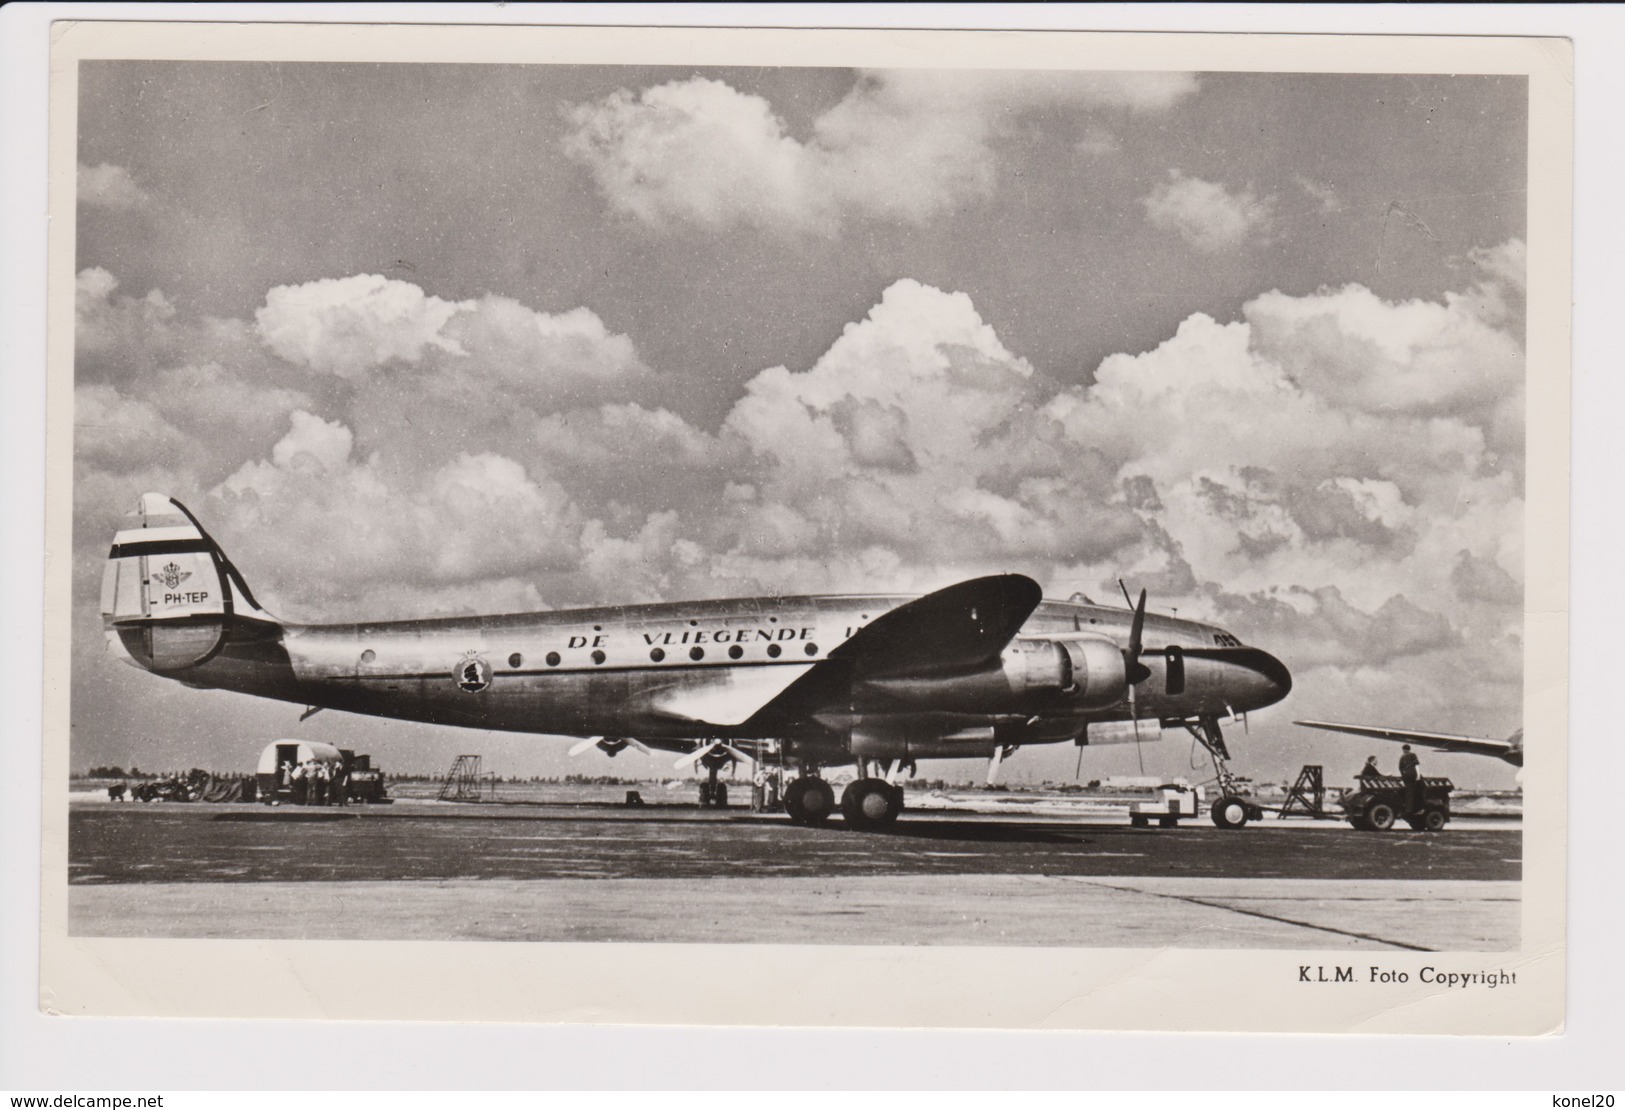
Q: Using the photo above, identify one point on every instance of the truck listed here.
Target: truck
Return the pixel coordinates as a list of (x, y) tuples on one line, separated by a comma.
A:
[(1381, 801)]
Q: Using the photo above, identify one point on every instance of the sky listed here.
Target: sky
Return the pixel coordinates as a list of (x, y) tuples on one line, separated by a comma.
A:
[(418, 340)]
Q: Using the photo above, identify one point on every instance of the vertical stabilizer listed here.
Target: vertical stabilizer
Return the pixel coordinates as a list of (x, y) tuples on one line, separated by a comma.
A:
[(168, 590)]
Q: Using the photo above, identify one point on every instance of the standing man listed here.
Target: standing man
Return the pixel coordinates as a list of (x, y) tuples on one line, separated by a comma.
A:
[(1408, 764)]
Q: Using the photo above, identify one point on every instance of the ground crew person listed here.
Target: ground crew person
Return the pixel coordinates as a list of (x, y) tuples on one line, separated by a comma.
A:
[(1408, 764), (1369, 771), (299, 785)]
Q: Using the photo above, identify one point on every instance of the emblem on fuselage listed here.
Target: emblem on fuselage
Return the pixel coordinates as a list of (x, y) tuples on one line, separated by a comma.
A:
[(172, 576), (473, 675)]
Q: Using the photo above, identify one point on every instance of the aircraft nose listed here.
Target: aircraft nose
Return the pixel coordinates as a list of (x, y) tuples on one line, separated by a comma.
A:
[(1260, 679)]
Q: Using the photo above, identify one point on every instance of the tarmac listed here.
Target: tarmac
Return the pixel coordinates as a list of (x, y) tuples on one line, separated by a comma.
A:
[(420, 870)]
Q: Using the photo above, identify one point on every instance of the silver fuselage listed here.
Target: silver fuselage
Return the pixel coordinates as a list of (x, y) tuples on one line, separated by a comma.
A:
[(616, 671)]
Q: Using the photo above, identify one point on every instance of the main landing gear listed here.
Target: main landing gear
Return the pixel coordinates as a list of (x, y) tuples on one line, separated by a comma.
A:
[(1231, 811), (809, 800), (867, 803)]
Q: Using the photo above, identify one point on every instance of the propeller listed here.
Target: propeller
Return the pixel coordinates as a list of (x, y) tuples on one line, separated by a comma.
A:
[(693, 757), (1134, 671), (609, 745)]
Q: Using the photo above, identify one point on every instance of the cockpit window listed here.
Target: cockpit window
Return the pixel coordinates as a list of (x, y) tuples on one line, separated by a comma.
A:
[(1224, 639)]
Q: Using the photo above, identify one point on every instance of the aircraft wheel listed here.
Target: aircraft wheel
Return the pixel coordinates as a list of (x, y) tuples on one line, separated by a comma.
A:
[(1229, 812), (719, 796), (1138, 820), (809, 801), (1380, 816), (871, 804), (705, 794), (1434, 820)]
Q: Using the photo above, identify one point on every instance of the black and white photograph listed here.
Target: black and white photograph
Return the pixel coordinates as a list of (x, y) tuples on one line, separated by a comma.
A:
[(1012, 499)]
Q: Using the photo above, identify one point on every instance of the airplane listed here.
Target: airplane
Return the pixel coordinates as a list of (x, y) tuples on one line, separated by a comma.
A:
[(973, 670), (1510, 749)]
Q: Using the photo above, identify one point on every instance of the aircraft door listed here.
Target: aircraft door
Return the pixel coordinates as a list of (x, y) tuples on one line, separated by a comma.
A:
[(1175, 663)]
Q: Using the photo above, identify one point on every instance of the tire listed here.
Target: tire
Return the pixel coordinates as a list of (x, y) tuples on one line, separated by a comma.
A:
[(1415, 823), (719, 796), (1167, 822), (1434, 820), (869, 804), (1380, 816), (1138, 820), (1230, 812), (705, 795), (809, 801)]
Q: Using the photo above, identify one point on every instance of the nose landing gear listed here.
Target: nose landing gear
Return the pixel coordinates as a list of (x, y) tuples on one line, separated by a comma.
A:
[(1231, 811)]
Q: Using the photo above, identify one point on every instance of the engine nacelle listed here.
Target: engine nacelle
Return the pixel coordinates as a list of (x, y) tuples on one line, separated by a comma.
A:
[(1088, 668)]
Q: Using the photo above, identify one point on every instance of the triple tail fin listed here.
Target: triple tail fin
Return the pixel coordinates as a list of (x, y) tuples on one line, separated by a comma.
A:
[(169, 591)]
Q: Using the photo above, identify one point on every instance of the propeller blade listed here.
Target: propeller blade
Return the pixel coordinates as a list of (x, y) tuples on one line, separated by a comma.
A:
[(686, 761), (1136, 671), (639, 745), (589, 742), (1134, 714)]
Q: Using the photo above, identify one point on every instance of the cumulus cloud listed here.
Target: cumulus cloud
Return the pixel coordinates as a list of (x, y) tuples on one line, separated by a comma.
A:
[(1206, 214), (902, 144), (112, 187), (1418, 357), (917, 432), (339, 526), (347, 326), (117, 334)]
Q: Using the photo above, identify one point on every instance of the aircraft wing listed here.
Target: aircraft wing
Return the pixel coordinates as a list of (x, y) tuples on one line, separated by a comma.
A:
[(1439, 741), (953, 630)]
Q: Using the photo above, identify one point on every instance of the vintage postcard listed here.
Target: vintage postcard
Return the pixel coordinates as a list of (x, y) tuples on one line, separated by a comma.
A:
[(808, 528)]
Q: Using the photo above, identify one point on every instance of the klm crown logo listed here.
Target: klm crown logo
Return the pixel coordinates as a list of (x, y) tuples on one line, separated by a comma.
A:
[(172, 576)]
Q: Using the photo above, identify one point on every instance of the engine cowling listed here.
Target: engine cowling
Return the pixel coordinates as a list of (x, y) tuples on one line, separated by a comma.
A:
[(1088, 668)]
